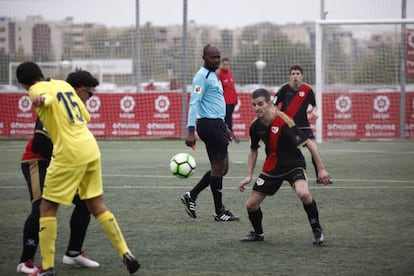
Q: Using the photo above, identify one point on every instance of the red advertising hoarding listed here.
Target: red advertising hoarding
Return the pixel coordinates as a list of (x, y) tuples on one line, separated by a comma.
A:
[(410, 53), (346, 116), (361, 116), (148, 115)]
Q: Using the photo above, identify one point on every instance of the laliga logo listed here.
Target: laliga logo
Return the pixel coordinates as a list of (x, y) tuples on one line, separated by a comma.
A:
[(127, 103), (25, 104), (343, 103), (162, 103), (93, 104), (381, 103)]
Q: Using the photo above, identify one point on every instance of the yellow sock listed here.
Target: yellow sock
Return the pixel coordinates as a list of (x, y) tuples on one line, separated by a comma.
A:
[(47, 239), (112, 230)]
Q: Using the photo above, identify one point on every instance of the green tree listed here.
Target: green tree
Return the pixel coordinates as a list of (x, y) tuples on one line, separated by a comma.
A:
[(226, 45), (4, 67), (379, 67), (265, 41)]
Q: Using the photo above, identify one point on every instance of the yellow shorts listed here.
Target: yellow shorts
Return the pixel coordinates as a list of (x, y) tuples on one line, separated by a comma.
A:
[(63, 182)]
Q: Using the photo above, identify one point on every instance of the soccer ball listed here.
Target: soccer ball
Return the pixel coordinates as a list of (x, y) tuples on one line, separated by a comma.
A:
[(182, 165)]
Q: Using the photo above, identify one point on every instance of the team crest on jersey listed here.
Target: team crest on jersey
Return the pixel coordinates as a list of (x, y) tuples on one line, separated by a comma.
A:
[(260, 181), (275, 129), (301, 93), (197, 89)]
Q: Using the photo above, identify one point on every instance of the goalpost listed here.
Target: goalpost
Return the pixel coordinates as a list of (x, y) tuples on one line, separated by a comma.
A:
[(346, 63)]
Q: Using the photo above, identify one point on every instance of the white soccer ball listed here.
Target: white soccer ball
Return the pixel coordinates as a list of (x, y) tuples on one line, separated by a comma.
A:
[(182, 165)]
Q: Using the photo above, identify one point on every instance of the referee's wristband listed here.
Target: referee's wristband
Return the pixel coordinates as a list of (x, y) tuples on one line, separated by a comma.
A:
[(191, 129)]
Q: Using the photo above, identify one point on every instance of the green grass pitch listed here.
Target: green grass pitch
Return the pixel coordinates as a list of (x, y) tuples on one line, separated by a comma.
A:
[(367, 214)]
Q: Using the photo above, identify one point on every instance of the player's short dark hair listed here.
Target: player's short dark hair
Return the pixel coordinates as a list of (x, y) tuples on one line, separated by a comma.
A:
[(28, 73), (296, 67), (225, 59), (261, 92), (82, 78)]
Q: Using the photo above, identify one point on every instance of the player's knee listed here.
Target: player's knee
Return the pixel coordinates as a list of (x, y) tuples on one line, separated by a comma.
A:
[(48, 208), (305, 197), (252, 206), (97, 211), (96, 206)]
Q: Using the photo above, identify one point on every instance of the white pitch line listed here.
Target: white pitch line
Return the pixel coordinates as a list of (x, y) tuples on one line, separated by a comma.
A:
[(330, 187), (13, 148), (283, 187), (239, 177), (367, 151), (311, 180)]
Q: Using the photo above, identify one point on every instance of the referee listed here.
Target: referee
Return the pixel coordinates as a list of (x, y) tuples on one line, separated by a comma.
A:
[(206, 113)]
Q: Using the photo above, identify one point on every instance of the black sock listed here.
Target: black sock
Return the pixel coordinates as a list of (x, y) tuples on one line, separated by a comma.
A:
[(216, 184), (31, 233), (313, 215), (256, 220), (201, 185), (78, 225)]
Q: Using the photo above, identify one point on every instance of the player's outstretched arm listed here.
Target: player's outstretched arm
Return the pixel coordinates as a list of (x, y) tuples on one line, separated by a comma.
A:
[(251, 164)]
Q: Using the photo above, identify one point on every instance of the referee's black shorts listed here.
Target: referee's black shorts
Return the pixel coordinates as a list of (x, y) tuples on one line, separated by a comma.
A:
[(213, 132)]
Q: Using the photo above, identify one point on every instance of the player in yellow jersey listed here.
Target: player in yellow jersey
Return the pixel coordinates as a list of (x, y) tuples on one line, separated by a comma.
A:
[(35, 160), (75, 165)]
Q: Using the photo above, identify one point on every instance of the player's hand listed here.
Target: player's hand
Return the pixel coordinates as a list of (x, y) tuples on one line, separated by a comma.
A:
[(243, 183), (314, 114), (39, 101), (324, 177)]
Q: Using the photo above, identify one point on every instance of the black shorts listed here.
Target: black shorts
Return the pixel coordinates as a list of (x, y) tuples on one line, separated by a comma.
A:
[(269, 185), (213, 132), (308, 132), (34, 172)]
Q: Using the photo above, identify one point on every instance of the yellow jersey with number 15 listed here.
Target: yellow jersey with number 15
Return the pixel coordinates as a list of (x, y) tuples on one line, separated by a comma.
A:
[(65, 118)]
